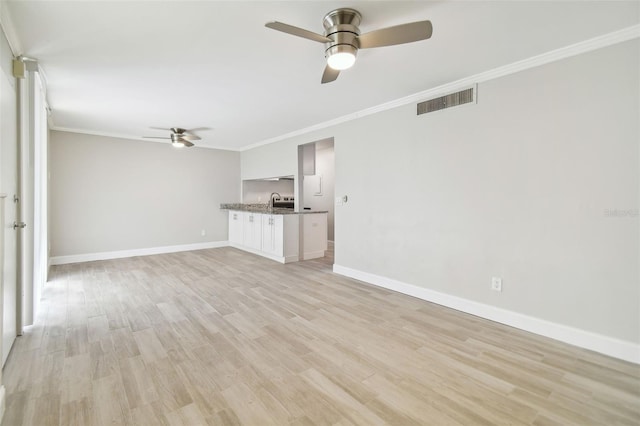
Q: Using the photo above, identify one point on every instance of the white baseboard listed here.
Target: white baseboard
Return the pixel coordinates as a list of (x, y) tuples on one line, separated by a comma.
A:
[(610, 346), (89, 257), (291, 259), (3, 394), (313, 254), (285, 259)]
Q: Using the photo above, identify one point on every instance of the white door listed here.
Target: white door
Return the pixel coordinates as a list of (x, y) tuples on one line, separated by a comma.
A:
[(9, 186)]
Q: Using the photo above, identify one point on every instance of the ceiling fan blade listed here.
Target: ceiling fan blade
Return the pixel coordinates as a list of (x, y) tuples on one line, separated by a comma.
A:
[(290, 29), (154, 137), (184, 134), (329, 74), (160, 128), (186, 143), (199, 129), (189, 136), (400, 34)]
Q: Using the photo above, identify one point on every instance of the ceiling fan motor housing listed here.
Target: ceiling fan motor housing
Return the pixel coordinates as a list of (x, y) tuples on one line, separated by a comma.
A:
[(341, 26)]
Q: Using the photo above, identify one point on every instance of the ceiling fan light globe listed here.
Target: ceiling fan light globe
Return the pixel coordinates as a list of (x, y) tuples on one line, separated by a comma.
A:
[(341, 56), (178, 144), (341, 61)]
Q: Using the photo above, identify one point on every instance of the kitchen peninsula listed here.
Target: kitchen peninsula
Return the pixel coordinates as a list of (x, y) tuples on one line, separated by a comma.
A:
[(283, 235)]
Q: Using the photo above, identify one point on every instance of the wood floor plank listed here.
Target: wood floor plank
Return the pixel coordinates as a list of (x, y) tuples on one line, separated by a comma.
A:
[(138, 385), (223, 337), (353, 409), (75, 383), (246, 405), (76, 413), (149, 345), (109, 404)]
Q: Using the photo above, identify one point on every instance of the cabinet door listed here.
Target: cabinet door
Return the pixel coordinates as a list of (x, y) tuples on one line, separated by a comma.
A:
[(235, 227), (273, 234), (278, 235), (252, 227)]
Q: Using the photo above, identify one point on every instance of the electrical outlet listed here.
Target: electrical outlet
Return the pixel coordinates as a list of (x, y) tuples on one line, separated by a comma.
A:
[(203, 232), (496, 284)]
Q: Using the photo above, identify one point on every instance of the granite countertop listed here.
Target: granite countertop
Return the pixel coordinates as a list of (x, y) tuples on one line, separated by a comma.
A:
[(264, 208)]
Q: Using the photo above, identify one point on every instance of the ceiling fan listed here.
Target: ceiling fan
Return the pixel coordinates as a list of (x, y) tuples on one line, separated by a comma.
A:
[(179, 137), (342, 38)]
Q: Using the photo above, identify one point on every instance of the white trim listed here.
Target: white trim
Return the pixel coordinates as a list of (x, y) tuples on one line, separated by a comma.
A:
[(89, 257), (308, 255), (617, 348), (585, 46), (127, 137), (280, 259), (6, 23), (3, 396)]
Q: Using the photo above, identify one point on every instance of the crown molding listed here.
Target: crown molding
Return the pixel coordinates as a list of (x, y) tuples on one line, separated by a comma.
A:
[(98, 133), (126, 137), (9, 29), (585, 46)]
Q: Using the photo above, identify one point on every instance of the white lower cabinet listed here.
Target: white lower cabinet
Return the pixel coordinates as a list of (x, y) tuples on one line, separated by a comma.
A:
[(270, 235)]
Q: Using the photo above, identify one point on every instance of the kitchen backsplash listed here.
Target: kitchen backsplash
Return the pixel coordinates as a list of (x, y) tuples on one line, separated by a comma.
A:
[(258, 191)]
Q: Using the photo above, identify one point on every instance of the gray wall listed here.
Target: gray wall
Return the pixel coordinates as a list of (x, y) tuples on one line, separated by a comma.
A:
[(523, 185), (112, 194)]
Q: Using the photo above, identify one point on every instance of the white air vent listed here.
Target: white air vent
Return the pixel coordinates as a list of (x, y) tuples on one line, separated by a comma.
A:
[(454, 99)]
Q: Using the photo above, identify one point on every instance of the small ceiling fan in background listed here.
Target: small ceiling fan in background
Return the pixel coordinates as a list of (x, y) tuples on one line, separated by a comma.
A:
[(179, 137), (342, 38)]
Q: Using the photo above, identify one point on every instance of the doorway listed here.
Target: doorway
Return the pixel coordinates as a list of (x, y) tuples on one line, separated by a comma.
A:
[(316, 188)]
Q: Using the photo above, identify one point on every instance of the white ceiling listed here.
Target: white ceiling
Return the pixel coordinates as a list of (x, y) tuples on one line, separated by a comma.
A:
[(120, 67)]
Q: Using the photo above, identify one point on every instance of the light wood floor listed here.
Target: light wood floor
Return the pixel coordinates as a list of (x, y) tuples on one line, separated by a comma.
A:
[(223, 337)]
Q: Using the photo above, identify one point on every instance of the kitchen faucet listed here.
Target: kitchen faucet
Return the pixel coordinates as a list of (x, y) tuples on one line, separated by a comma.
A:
[(271, 199)]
